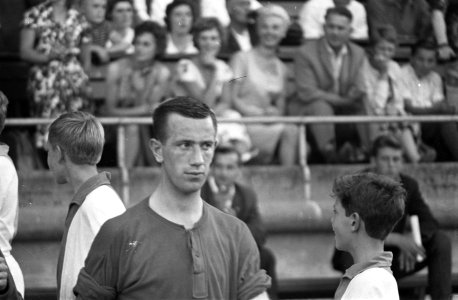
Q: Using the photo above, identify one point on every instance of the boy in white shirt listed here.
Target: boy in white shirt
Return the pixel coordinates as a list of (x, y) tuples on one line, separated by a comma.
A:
[(74, 148), (366, 209)]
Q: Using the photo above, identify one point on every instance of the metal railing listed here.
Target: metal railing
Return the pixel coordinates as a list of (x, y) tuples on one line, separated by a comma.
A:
[(302, 122)]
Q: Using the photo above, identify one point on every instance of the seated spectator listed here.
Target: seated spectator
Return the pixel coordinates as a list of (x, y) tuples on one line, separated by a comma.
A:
[(94, 11), (384, 91), (427, 97), (410, 18), (328, 82), (436, 247), (311, 18), (439, 9), (259, 87), (120, 13), (205, 77), (239, 35), (53, 39), (179, 19), (135, 86), (224, 192), (151, 10)]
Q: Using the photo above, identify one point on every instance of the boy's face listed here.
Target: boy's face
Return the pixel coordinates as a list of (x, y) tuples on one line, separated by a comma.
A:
[(56, 164), (225, 168), (423, 62), (341, 225), (94, 10), (388, 162)]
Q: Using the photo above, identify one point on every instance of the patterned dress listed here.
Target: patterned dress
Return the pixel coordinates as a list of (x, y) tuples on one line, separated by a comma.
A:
[(59, 85)]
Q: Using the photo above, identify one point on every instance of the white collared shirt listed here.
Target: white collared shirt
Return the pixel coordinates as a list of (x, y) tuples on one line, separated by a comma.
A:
[(336, 63), (243, 39)]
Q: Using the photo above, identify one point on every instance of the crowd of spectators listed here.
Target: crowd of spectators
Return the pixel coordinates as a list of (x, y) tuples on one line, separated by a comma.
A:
[(225, 53)]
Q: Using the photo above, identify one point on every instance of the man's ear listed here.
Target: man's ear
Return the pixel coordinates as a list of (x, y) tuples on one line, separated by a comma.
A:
[(355, 221), (156, 149)]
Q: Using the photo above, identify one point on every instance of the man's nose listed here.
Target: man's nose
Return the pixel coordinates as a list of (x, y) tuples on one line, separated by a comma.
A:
[(197, 156)]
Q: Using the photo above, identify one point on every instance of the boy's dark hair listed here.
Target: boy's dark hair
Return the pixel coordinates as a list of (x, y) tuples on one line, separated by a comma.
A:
[(80, 136), (425, 45), (185, 106), (3, 110), (379, 201), (205, 24), (171, 7), (157, 31), (339, 10), (385, 141), (384, 33), (226, 149), (111, 5)]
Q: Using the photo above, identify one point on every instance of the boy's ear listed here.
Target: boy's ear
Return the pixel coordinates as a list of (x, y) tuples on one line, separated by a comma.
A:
[(156, 148), (355, 221), (60, 154)]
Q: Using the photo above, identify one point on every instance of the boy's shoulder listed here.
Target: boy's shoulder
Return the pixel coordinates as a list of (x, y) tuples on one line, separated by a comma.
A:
[(372, 283)]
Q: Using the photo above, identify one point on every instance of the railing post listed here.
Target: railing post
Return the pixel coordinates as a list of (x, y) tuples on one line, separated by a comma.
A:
[(121, 150), (303, 160)]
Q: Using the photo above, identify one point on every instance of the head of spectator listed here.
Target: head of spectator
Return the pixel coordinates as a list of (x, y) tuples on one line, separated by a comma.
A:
[(207, 37), (75, 140), (272, 24), (149, 42), (183, 142), (3, 109), (382, 47), (387, 156), (423, 58), (238, 11), (120, 13), (94, 10), (337, 27), (226, 166), (179, 17), (367, 207)]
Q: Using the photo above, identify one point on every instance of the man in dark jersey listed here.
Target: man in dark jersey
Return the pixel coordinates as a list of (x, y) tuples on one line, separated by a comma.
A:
[(173, 245)]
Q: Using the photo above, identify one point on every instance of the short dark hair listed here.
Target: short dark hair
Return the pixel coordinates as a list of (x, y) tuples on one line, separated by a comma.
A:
[(111, 5), (157, 31), (384, 33), (173, 5), (226, 149), (185, 106), (3, 110), (385, 141), (80, 136), (378, 199), (425, 45), (205, 24), (339, 10)]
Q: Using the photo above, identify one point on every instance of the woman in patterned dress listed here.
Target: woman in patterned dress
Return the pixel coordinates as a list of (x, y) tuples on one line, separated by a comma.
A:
[(53, 39)]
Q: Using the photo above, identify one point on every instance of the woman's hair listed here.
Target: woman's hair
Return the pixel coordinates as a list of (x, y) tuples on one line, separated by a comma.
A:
[(384, 33), (270, 10), (205, 24), (169, 9), (157, 31), (112, 4)]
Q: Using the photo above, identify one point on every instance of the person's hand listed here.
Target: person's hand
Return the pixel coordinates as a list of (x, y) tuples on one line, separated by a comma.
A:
[(355, 94), (445, 52), (391, 110), (3, 274), (408, 252)]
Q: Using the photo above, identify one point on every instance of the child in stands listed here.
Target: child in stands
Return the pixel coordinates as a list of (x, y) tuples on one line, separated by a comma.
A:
[(366, 209), (94, 11)]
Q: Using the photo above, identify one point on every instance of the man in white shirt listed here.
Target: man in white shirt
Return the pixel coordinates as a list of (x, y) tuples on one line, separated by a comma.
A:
[(74, 148), (311, 18)]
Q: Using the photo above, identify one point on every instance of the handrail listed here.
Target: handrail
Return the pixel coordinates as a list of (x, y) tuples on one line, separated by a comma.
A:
[(302, 122)]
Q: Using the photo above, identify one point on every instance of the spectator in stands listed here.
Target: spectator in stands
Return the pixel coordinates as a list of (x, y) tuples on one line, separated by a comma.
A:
[(410, 18), (136, 85), (311, 18), (239, 34), (438, 19), (151, 10), (224, 192), (94, 11), (179, 19), (9, 208), (259, 88), (178, 246), (384, 91), (74, 148), (425, 87), (436, 249), (53, 39), (366, 209), (328, 81), (121, 14)]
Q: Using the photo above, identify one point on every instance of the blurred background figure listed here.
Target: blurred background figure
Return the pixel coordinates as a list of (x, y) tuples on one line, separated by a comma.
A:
[(135, 86), (180, 16), (53, 39), (121, 15), (259, 88), (95, 12)]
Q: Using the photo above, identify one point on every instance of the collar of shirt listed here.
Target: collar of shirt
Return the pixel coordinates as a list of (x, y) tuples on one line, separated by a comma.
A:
[(4, 148), (381, 261), (89, 185), (243, 39)]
